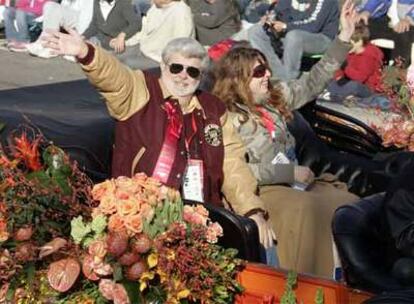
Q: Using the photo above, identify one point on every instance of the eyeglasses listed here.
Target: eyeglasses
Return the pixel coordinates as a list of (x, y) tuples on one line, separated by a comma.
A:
[(176, 68), (259, 71)]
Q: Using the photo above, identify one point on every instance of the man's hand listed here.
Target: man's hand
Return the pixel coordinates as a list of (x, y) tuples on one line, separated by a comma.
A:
[(304, 175), (402, 26), (348, 19), (118, 43), (65, 44), (364, 16), (266, 233), (279, 26)]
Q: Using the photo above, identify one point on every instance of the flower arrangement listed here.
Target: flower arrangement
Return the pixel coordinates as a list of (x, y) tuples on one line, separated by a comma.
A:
[(399, 88), (40, 190), (126, 240), (142, 245)]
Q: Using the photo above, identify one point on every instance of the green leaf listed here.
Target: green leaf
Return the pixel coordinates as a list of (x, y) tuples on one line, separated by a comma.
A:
[(117, 272), (99, 224), (79, 230), (133, 292), (319, 298)]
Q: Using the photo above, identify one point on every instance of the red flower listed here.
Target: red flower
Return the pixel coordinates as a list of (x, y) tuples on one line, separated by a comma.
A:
[(28, 152)]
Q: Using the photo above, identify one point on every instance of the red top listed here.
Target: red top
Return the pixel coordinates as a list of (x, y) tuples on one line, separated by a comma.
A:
[(364, 67)]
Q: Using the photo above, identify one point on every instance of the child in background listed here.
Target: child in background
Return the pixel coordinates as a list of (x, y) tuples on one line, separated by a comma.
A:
[(361, 74)]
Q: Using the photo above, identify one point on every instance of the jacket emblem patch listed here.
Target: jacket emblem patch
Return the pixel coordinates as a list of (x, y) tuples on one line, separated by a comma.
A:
[(213, 135)]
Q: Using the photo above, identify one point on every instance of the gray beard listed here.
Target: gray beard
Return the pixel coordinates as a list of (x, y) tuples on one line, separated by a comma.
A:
[(178, 91)]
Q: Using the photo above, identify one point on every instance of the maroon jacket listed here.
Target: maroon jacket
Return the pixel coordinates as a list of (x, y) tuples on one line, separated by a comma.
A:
[(139, 139)]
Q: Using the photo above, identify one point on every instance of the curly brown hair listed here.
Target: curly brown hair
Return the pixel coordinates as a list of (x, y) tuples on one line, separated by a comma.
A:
[(232, 75)]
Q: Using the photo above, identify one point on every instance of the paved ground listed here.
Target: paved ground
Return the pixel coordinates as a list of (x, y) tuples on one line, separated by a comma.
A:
[(21, 70)]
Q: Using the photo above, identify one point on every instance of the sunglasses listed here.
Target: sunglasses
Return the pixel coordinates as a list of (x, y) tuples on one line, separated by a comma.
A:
[(177, 68), (259, 71)]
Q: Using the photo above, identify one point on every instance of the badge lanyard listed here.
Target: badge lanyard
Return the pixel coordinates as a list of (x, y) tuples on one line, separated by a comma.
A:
[(267, 122), (194, 175)]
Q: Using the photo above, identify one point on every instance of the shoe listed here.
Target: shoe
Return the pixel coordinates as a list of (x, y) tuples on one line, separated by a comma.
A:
[(43, 52), (18, 46), (35, 48), (69, 58)]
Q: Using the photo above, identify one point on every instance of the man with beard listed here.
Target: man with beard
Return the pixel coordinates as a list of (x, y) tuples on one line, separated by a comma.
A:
[(169, 129)]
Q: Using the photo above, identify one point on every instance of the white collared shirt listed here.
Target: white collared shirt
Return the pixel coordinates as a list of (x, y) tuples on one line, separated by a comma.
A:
[(106, 8)]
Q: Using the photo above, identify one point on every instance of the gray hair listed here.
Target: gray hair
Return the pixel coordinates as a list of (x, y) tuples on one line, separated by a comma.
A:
[(187, 47)]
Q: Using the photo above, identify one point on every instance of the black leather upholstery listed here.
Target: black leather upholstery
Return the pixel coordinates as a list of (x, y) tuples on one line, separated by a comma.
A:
[(363, 175), (238, 232)]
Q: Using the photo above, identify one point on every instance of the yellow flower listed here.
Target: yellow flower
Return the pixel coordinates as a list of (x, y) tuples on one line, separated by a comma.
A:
[(145, 277), (163, 276), (183, 294), (152, 260), (171, 255)]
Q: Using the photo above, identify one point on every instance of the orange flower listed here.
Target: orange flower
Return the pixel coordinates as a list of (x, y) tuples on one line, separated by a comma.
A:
[(103, 189), (127, 207), (133, 223), (3, 208), (146, 212), (108, 204), (116, 223), (28, 152)]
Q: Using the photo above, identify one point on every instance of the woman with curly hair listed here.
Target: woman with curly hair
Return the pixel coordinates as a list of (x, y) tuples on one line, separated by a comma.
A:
[(260, 112)]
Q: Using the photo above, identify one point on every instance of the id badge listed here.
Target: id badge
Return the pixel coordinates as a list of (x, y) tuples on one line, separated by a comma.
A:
[(280, 158), (193, 181)]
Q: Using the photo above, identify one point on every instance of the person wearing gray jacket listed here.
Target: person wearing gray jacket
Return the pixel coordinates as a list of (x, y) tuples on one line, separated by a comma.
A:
[(113, 22), (260, 111), (215, 20)]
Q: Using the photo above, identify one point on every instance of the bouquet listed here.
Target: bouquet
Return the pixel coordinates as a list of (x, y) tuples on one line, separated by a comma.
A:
[(126, 240), (399, 88), (40, 191)]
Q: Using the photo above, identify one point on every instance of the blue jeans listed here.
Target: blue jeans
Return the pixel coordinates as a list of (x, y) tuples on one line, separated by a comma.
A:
[(350, 87), (16, 24), (295, 44)]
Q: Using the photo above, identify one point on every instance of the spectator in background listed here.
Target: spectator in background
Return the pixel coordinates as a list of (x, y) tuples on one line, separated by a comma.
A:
[(165, 21), (141, 6), (76, 14), (253, 10), (308, 25), (361, 74), (214, 20), (17, 20), (113, 22), (394, 20)]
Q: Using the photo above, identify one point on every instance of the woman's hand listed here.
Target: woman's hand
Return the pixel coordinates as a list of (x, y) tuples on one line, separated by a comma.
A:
[(266, 233), (304, 175), (71, 44), (349, 17), (118, 43)]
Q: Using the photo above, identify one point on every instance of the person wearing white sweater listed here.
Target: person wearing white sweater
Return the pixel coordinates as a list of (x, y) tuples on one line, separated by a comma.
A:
[(164, 21), (75, 14)]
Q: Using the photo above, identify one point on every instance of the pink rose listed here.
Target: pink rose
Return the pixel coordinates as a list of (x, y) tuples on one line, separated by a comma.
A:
[(106, 287), (214, 231), (120, 295), (98, 249)]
